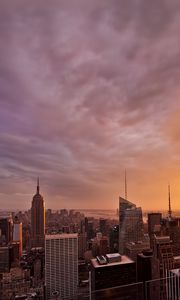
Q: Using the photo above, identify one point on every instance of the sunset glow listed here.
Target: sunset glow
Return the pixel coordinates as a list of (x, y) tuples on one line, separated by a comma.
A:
[(88, 91)]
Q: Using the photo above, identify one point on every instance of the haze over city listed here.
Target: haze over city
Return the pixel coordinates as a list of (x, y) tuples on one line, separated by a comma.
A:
[(89, 89)]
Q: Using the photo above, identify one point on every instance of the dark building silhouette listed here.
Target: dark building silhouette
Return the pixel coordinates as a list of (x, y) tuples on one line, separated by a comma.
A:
[(103, 226), (5, 259), (110, 280), (6, 230), (87, 226), (114, 239), (37, 220), (146, 271)]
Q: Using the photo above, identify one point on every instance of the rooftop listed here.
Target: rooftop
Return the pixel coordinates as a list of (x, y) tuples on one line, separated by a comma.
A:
[(61, 236), (124, 260)]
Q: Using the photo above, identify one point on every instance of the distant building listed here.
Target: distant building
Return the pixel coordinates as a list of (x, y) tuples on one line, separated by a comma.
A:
[(90, 230), (103, 246), (61, 265), (103, 226), (171, 227), (130, 223), (5, 259), (134, 248), (116, 274), (82, 244), (17, 233), (154, 225), (114, 239), (37, 220), (6, 227)]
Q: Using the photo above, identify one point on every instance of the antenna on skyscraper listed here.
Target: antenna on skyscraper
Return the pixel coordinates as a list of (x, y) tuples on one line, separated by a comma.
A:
[(38, 185), (169, 199), (125, 184)]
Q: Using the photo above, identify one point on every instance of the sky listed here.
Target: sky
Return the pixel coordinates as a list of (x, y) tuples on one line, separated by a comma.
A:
[(88, 89)]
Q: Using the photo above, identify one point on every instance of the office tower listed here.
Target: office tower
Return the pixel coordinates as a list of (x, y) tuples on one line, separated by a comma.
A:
[(90, 230), (113, 275), (114, 239), (17, 233), (154, 225), (132, 249), (37, 219), (87, 226), (171, 227), (6, 226), (103, 226), (82, 244), (163, 256), (130, 223), (61, 265), (163, 252)]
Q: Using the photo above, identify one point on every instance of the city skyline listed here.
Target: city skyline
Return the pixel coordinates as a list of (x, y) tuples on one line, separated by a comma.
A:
[(89, 90)]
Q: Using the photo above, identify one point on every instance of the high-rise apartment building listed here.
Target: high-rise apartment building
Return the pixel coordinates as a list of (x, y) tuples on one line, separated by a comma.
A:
[(130, 223), (37, 220), (61, 265)]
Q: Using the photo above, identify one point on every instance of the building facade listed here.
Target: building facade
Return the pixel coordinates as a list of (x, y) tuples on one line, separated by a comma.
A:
[(130, 224), (61, 265)]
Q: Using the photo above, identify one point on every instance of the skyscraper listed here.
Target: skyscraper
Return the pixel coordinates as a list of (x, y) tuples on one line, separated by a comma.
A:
[(37, 219), (130, 223), (61, 265)]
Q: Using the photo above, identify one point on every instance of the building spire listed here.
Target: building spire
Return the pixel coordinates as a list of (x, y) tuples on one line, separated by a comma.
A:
[(38, 185), (125, 185), (169, 199)]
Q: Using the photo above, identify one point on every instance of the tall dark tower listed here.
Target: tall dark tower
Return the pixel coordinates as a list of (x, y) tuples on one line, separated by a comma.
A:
[(169, 200), (38, 219)]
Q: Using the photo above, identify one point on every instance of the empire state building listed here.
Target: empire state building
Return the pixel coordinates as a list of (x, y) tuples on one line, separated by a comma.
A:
[(37, 219)]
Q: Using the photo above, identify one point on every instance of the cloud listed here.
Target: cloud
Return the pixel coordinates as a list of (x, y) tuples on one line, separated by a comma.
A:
[(87, 90)]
